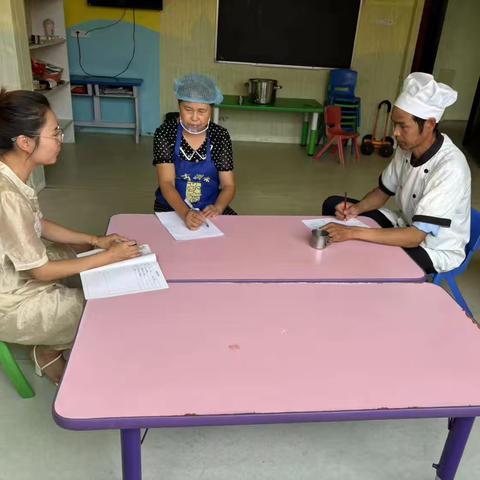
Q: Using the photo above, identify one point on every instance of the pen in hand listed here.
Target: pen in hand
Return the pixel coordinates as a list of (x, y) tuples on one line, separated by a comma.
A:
[(189, 205), (345, 206)]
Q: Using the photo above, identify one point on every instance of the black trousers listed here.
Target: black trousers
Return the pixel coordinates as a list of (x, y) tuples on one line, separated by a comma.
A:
[(417, 254)]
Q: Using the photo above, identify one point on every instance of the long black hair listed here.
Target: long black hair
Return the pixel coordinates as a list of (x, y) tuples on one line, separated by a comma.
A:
[(22, 112)]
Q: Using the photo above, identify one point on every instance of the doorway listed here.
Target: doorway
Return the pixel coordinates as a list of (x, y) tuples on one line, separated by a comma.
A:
[(429, 35)]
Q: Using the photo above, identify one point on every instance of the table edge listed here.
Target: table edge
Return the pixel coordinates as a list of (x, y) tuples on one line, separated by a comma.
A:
[(262, 418), (420, 279)]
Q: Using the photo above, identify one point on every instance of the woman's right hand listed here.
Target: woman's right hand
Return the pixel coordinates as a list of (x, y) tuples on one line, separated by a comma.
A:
[(194, 219), (57, 269), (346, 211), (123, 250)]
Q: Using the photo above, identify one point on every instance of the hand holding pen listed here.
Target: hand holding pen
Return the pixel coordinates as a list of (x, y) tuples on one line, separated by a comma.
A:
[(341, 210), (346, 210), (194, 218)]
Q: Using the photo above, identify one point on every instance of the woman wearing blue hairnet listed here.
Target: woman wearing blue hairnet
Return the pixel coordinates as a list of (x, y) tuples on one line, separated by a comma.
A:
[(193, 156)]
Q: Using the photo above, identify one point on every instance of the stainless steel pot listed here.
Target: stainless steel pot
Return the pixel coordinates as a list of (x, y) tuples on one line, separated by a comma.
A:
[(262, 90)]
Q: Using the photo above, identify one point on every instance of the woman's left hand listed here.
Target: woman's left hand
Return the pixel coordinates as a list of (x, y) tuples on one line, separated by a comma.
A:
[(211, 211), (109, 240)]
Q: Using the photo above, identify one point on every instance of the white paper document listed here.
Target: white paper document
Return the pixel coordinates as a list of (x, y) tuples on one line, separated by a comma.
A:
[(321, 222), (140, 274), (179, 231)]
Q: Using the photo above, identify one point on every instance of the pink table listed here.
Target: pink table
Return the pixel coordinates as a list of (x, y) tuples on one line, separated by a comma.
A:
[(267, 248), (246, 353)]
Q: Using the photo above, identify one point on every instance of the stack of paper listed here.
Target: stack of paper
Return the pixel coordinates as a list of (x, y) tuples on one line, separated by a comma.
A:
[(140, 274), (179, 231)]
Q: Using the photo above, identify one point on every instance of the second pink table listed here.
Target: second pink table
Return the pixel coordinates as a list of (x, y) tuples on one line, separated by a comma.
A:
[(246, 353)]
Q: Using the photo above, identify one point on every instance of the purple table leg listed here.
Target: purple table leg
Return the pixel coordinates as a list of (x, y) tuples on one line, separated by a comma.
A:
[(459, 430), (131, 454)]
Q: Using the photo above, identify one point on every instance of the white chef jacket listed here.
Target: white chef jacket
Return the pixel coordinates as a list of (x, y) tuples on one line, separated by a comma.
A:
[(434, 189)]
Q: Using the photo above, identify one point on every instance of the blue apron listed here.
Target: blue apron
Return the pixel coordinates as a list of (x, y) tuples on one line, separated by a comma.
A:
[(198, 182)]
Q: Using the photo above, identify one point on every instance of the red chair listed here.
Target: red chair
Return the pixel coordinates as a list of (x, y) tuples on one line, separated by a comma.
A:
[(334, 131)]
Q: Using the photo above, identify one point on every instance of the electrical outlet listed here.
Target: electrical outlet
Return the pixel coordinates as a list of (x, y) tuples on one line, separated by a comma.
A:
[(81, 33)]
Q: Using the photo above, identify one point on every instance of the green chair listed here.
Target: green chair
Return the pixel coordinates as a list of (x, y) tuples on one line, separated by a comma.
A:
[(14, 373)]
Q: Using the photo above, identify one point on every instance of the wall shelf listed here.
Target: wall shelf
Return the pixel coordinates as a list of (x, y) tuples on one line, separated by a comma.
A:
[(53, 51), (47, 43)]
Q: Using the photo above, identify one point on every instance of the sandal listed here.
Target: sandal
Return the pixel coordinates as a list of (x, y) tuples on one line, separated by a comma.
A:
[(40, 370)]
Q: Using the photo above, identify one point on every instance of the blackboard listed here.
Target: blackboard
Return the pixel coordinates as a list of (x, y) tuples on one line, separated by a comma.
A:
[(147, 4), (294, 33)]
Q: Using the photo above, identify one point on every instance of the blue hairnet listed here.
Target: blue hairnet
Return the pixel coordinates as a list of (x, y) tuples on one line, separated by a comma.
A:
[(197, 88)]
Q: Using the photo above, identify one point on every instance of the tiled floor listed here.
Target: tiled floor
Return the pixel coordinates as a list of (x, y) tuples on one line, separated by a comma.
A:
[(106, 174)]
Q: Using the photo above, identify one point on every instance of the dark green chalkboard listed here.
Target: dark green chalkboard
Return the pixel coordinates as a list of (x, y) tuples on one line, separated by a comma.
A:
[(303, 33)]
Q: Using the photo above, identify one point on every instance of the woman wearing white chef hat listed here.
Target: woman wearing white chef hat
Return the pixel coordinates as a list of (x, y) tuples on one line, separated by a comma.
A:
[(429, 178)]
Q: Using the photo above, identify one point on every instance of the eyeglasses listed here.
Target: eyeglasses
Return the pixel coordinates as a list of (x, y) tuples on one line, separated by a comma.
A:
[(59, 135)]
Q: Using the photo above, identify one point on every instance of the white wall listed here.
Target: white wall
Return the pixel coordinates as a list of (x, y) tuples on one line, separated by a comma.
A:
[(15, 72)]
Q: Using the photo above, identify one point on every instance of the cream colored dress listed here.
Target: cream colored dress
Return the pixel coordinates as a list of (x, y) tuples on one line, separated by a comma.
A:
[(32, 312)]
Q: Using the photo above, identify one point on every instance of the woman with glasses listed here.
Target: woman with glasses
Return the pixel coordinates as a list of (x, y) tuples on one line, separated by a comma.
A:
[(35, 307)]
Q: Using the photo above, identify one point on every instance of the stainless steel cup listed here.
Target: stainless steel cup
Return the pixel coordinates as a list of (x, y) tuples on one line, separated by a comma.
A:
[(319, 239)]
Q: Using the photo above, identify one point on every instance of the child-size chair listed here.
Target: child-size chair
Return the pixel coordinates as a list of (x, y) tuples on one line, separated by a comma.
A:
[(472, 246), (14, 373), (334, 131), (341, 92), (342, 84)]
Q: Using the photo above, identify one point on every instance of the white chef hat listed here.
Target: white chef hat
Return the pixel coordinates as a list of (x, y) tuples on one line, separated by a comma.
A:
[(425, 98)]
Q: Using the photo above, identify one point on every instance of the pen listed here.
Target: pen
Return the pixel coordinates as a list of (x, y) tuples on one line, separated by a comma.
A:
[(197, 210), (345, 205)]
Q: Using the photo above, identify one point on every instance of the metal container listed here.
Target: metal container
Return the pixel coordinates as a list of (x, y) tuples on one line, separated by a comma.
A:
[(262, 90), (319, 239)]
